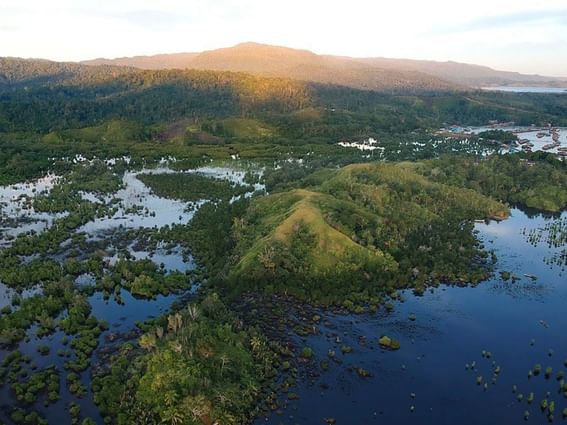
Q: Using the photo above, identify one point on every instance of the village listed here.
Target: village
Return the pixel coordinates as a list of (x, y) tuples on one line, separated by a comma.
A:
[(527, 139)]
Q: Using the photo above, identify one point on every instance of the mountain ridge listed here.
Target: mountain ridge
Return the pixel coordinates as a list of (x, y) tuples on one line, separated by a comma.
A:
[(302, 64), (277, 61)]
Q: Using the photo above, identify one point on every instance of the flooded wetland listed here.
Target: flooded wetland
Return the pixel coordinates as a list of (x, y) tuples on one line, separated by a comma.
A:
[(118, 235), (493, 352)]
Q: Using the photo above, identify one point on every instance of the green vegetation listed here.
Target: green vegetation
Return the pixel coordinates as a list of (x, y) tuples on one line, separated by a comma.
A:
[(554, 235), (227, 367), (536, 181), (143, 279), (107, 112), (389, 343), (210, 234), (21, 417), (94, 177), (192, 187), (498, 135), (29, 387), (361, 231), (306, 353), (238, 128), (40, 309)]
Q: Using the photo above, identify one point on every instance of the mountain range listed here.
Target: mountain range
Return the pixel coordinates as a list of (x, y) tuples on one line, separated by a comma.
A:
[(361, 73)]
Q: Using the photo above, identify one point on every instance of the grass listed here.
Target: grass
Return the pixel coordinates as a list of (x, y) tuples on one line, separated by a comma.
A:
[(284, 213), (332, 245), (235, 128), (113, 131), (246, 128)]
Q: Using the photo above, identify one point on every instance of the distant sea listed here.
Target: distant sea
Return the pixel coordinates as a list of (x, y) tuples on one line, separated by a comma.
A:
[(560, 90)]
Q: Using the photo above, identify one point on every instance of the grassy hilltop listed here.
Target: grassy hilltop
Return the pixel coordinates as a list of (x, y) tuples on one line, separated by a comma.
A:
[(359, 229)]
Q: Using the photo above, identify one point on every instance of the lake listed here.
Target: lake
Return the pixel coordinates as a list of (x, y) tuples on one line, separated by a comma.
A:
[(453, 326), (550, 90)]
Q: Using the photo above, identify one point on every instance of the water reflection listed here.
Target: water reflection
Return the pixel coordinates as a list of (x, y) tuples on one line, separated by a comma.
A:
[(138, 208), (452, 327)]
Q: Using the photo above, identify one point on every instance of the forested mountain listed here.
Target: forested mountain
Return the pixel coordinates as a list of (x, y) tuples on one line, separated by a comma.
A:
[(16, 72), (466, 74), (42, 96), (366, 73), (161, 61), (296, 64)]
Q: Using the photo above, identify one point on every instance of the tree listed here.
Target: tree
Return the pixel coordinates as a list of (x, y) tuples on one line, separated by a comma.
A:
[(147, 341)]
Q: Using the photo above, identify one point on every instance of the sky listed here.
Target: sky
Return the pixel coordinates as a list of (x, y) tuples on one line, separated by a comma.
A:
[(517, 35)]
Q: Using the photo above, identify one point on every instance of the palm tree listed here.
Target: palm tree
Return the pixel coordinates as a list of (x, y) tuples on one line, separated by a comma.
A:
[(170, 398), (267, 257), (177, 347), (147, 342), (193, 312), (172, 416), (159, 332), (256, 343), (171, 323), (199, 407), (179, 320), (174, 322)]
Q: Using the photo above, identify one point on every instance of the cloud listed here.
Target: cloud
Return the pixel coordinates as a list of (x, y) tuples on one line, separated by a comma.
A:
[(149, 19), (7, 10), (556, 17), (169, 15)]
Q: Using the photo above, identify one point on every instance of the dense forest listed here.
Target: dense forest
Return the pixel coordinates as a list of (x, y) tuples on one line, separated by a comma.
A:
[(50, 110), (538, 181), (46, 97)]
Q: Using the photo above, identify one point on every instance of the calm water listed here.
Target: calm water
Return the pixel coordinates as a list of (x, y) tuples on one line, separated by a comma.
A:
[(452, 328), (122, 318), (555, 90)]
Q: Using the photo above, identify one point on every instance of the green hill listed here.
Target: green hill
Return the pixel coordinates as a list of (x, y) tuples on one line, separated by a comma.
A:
[(366, 229), (298, 223)]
